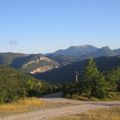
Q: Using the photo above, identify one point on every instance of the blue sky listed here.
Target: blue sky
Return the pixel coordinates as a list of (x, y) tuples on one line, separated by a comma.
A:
[(41, 26)]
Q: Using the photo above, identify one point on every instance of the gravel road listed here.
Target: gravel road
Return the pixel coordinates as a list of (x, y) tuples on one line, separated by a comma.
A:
[(68, 107)]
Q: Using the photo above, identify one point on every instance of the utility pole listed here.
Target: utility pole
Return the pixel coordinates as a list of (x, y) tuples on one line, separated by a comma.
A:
[(77, 74)]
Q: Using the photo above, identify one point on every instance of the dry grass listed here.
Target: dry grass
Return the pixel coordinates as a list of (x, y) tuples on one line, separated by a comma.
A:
[(100, 114), (22, 105), (113, 96)]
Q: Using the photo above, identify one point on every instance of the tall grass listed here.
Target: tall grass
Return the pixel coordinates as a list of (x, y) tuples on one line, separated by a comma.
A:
[(22, 105), (100, 114)]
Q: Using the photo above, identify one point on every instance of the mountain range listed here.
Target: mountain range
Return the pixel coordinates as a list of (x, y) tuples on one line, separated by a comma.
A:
[(88, 51), (37, 63)]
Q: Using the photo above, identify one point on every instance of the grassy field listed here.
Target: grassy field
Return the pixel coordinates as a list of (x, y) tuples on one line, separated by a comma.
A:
[(22, 105), (100, 114)]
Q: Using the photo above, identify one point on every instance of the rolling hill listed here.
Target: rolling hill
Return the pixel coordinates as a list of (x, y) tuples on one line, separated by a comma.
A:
[(117, 51), (63, 60), (31, 63), (35, 63), (102, 52), (7, 58)]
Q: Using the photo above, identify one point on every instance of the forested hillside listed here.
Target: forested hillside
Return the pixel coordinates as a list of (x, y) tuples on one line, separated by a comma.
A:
[(67, 73), (15, 85)]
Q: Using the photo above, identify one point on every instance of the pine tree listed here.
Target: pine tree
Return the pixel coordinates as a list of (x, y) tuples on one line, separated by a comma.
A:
[(95, 81), (114, 79), (118, 79)]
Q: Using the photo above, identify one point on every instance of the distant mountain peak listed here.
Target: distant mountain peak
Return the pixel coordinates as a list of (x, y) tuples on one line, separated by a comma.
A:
[(104, 51), (76, 51), (106, 47), (82, 46)]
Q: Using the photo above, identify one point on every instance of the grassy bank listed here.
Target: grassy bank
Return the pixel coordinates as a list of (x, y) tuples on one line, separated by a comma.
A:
[(100, 114), (22, 105), (112, 96)]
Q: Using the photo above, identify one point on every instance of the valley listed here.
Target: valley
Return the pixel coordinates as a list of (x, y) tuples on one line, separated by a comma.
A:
[(59, 59), (31, 79), (39, 63)]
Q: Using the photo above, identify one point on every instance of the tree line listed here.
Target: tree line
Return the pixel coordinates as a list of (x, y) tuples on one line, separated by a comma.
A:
[(94, 83)]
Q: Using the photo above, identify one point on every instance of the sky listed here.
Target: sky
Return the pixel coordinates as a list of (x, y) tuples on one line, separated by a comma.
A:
[(43, 26)]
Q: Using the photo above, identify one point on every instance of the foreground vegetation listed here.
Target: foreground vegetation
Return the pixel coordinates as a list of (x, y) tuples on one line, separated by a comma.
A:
[(22, 105), (15, 85), (100, 114), (94, 85)]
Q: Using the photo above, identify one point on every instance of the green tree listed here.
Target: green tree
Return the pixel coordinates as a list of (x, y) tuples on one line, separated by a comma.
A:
[(95, 81), (113, 78), (118, 78)]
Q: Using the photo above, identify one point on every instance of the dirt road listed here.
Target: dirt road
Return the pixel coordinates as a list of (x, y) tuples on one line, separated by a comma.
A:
[(68, 107)]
